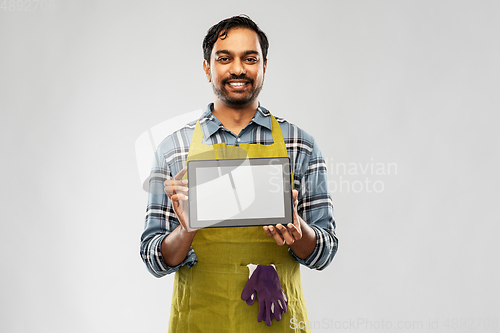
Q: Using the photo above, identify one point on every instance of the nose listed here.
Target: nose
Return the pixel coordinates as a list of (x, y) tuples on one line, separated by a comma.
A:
[(237, 67)]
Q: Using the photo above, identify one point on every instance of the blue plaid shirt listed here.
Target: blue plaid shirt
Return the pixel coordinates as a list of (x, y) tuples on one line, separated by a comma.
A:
[(309, 173)]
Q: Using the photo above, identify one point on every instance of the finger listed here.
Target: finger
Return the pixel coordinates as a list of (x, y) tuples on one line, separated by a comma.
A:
[(181, 173), (262, 309), (251, 299), (175, 199), (170, 191), (295, 210), (294, 231), (285, 302), (175, 183), (247, 292), (176, 204), (276, 235), (182, 196), (295, 205), (179, 203), (268, 314), (266, 230), (176, 186), (277, 311), (287, 236)]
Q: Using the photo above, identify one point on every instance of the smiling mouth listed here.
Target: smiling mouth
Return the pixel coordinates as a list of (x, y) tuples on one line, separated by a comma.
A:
[(239, 85), (236, 84)]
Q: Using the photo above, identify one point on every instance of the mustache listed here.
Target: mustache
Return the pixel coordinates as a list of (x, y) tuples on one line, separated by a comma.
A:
[(238, 77)]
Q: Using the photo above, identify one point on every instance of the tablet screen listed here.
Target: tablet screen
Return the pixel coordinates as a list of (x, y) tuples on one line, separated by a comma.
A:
[(239, 192)]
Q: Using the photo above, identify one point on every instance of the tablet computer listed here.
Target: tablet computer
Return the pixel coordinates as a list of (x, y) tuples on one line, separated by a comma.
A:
[(239, 192)]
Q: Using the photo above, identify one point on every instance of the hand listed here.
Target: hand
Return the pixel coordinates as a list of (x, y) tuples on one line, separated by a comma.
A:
[(264, 281), (292, 232), (177, 191)]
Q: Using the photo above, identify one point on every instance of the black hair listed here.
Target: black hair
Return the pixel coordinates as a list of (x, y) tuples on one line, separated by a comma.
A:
[(240, 21)]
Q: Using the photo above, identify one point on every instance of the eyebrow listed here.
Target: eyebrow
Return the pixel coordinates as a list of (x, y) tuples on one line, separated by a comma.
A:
[(244, 53)]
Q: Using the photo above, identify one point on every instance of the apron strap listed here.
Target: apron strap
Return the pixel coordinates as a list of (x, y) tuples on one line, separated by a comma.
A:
[(278, 138)]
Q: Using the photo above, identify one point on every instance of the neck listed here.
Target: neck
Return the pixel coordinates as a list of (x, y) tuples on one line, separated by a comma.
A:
[(234, 119)]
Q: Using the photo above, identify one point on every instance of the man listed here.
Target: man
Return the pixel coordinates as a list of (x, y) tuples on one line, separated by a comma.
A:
[(211, 264)]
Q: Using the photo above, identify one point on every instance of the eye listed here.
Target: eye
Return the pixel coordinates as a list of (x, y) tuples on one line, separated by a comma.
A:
[(223, 59), (251, 60)]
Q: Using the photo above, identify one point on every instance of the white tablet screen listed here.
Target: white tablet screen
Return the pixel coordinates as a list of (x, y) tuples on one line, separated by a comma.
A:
[(241, 192)]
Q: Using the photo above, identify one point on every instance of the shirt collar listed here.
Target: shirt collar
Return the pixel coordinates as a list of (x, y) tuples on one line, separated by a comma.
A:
[(262, 118), (210, 124)]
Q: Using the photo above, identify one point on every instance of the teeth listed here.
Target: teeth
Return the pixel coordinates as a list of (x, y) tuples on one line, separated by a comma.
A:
[(237, 83)]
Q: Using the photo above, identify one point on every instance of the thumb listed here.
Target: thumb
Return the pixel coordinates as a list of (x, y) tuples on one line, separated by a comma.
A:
[(247, 294)]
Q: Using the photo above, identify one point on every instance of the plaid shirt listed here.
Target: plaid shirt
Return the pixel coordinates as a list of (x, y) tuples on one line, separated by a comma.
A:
[(309, 173)]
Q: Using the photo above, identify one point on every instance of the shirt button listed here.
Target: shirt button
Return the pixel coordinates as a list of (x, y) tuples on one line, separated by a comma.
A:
[(239, 139)]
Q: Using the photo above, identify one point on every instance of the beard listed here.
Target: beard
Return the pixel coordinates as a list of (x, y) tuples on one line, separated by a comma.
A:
[(242, 98)]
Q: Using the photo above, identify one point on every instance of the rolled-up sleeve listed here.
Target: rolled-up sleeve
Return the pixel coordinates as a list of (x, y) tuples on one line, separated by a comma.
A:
[(161, 219), (316, 207)]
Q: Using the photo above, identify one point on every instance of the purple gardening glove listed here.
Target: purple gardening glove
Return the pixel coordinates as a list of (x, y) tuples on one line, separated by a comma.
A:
[(264, 281)]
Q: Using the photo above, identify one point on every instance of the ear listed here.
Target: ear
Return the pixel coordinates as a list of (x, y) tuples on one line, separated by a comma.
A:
[(206, 69), (265, 66)]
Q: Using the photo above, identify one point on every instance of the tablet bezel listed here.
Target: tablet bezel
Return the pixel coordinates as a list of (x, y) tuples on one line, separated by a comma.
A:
[(194, 223)]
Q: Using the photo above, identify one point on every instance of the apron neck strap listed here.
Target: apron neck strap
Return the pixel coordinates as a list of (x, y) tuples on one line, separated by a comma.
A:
[(276, 132)]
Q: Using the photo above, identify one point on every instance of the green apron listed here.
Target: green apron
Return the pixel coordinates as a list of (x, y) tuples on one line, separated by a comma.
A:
[(207, 297)]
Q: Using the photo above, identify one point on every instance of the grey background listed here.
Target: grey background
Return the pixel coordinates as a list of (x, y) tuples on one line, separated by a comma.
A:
[(408, 82)]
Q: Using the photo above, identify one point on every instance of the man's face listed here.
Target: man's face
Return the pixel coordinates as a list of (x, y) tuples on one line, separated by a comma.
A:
[(236, 68)]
